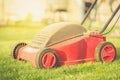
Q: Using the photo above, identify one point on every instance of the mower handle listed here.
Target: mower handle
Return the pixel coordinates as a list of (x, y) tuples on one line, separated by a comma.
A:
[(106, 25), (88, 12)]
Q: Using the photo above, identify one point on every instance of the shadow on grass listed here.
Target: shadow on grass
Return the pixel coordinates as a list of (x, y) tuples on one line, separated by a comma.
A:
[(118, 53)]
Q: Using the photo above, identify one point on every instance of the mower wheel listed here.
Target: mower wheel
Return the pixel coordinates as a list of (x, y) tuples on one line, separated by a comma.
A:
[(16, 48), (105, 52), (46, 58)]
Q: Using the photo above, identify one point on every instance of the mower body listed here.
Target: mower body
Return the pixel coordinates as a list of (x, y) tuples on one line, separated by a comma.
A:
[(73, 51), (64, 44)]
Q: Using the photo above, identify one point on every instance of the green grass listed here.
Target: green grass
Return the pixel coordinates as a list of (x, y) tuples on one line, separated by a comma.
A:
[(11, 69)]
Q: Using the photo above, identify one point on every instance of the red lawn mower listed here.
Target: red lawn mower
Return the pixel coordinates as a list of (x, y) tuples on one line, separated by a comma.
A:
[(66, 44)]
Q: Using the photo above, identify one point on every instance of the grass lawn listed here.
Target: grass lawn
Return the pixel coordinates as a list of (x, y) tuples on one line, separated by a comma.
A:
[(11, 69)]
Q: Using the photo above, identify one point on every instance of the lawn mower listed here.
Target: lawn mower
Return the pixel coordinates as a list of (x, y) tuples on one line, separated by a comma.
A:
[(66, 43)]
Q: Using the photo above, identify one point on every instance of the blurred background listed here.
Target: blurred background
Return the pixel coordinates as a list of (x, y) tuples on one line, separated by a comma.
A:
[(49, 11), (40, 13), (14, 12)]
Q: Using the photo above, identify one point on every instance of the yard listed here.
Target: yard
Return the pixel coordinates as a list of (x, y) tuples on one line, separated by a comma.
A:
[(11, 69)]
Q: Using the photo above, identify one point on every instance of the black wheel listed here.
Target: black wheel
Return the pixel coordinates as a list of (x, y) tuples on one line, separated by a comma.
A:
[(16, 48), (46, 58), (105, 52)]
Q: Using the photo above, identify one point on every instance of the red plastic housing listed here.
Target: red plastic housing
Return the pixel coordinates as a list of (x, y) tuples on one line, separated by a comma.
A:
[(73, 51)]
